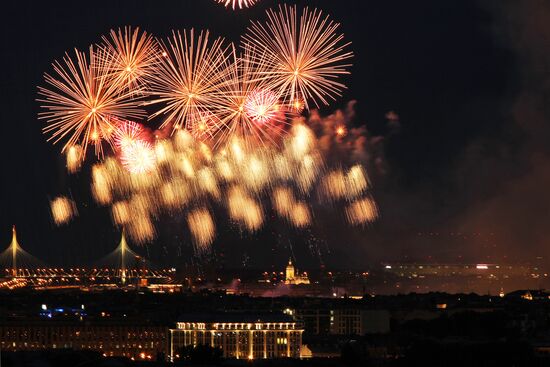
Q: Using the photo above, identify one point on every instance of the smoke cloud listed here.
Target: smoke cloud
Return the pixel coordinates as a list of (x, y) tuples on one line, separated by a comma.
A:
[(346, 141)]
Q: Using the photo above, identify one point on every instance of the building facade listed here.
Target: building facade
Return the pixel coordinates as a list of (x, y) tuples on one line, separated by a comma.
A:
[(140, 342), (239, 336)]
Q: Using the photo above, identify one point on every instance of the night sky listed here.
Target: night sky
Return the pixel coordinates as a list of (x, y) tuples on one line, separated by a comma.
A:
[(466, 174)]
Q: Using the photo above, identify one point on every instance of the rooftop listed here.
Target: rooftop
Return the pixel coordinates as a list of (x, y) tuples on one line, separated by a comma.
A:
[(234, 317)]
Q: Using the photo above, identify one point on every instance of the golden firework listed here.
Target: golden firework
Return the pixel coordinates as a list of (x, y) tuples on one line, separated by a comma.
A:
[(74, 158), (244, 209), (141, 229), (129, 58), (341, 131), (102, 184), (187, 79), (138, 157), (362, 211), (305, 54), (202, 228), (237, 3), (249, 111), (120, 212), (63, 210), (125, 132), (80, 101), (188, 175), (300, 215)]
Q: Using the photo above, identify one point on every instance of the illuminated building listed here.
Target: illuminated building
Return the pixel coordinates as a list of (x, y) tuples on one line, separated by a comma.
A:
[(293, 277), (529, 295), (240, 336), (110, 337), (419, 270)]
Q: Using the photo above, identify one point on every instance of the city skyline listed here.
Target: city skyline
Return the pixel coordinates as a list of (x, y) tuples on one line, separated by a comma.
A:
[(264, 183)]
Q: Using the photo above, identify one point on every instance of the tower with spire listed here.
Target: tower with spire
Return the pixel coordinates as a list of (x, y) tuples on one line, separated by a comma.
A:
[(292, 276), (14, 246), (123, 247), (16, 260), (289, 274)]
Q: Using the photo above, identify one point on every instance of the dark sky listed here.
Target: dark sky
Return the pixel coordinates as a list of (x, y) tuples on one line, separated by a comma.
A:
[(468, 78)]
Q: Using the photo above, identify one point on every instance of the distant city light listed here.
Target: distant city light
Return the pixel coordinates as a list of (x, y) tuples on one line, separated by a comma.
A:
[(482, 267)]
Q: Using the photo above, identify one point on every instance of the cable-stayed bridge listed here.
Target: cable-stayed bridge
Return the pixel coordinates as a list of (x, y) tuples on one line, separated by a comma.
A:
[(122, 266)]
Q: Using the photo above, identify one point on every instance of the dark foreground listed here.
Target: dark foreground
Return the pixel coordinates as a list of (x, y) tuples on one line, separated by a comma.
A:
[(434, 329)]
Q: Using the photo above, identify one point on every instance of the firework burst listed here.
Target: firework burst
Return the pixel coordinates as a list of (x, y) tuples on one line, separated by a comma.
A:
[(250, 111), (233, 144), (261, 106), (80, 102), (138, 157), (125, 133), (129, 58), (237, 3), (186, 80), (306, 55), (204, 125)]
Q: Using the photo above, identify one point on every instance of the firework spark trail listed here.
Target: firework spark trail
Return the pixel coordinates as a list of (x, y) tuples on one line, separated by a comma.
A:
[(80, 101), (188, 178), (202, 228), (362, 211), (63, 210), (74, 158), (244, 209), (306, 55)]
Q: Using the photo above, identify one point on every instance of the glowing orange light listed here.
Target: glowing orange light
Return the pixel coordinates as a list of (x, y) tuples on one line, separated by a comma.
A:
[(341, 131)]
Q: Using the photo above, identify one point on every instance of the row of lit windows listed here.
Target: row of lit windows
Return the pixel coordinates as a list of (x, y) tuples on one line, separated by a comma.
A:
[(237, 326), (25, 345), (75, 336)]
